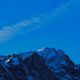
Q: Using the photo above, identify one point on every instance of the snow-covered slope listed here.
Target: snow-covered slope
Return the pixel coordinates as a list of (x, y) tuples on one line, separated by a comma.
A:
[(43, 64)]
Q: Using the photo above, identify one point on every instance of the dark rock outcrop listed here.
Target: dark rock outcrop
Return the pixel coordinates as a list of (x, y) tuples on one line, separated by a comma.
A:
[(44, 64)]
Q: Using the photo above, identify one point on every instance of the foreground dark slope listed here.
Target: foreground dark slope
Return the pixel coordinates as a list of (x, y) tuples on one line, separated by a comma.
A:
[(44, 64)]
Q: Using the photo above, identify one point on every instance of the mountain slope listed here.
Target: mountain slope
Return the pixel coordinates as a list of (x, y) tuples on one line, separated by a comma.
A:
[(44, 64)]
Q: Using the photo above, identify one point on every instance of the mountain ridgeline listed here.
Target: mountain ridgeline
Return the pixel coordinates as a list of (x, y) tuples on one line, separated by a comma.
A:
[(43, 64)]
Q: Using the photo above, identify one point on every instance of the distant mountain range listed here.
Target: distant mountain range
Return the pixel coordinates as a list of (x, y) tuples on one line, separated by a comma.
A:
[(43, 64)]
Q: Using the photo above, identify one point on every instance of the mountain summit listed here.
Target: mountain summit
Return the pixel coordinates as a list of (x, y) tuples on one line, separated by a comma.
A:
[(44, 64)]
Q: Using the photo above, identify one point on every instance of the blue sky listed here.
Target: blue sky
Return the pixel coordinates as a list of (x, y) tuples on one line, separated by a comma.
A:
[(33, 24)]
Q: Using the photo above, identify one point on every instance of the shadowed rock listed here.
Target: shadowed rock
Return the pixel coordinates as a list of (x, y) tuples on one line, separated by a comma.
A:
[(44, 64)]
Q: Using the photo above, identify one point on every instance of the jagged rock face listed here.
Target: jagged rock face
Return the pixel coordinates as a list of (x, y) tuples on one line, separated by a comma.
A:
[(44, 64)]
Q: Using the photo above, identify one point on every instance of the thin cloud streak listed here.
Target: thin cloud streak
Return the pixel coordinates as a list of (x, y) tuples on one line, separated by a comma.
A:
[(64, 11), (7, 32)]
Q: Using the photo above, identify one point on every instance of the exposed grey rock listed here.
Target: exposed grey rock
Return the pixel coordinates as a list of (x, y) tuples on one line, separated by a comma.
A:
[(44, 64)]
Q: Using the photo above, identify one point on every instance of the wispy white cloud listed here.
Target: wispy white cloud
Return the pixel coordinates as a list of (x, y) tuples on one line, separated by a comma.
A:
[(61, 13), (7, 32)]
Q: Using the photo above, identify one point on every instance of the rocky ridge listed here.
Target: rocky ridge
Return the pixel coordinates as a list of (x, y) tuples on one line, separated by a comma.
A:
[(45, 64)]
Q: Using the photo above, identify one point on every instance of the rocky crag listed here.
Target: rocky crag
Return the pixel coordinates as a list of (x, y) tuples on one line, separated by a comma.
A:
[(44, 64)]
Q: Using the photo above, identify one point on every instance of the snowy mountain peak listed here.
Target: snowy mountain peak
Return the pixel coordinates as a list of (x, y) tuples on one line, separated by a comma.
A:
[(44, 64)]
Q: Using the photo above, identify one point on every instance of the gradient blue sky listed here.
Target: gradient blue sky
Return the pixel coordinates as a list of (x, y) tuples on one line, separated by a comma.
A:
[(33, 24)]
